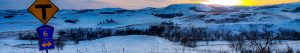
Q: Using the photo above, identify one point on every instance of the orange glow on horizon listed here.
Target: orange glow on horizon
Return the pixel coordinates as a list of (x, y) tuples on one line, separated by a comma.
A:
[(247, 2), (266, 2)]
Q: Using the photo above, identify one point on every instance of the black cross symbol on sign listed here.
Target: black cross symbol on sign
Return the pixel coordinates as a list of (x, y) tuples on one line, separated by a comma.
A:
[(43, 7)]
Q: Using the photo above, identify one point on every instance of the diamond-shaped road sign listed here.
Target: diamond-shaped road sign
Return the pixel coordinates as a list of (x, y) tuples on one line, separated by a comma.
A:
[(43, 10), (45, 34)]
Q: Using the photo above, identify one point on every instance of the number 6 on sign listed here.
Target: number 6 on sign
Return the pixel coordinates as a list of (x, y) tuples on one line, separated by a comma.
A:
[(45, 34)]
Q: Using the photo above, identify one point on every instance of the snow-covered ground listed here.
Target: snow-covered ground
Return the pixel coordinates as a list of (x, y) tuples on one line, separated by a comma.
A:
[(213, 17), (128, 44), (114, 44)]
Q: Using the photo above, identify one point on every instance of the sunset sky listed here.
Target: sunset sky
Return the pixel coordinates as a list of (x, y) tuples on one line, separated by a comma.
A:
[(133, 4), (266, 2)]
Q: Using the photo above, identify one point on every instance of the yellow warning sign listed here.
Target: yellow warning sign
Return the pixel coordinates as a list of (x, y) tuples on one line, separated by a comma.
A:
[(43, 10)]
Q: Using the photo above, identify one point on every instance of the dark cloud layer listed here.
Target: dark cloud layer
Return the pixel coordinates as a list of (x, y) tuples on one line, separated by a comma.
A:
[(92, 4)]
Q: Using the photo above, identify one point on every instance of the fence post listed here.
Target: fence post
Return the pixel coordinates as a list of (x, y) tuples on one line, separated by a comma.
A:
[(123, 50), (183, 49)]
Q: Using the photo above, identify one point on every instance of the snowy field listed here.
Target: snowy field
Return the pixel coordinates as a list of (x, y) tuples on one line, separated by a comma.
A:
[(214, 18), (127, 44)]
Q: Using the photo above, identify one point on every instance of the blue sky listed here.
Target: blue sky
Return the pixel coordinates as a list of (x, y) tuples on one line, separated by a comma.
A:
[(93, 4)]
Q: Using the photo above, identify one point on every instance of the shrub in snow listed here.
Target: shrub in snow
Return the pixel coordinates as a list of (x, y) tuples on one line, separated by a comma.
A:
[(107, 21), (71, 21), (164, 26), (289, 50), (78, 34), (27, 36), (230, 20), (167, 23), (9, 16), (286, 34), (156, 30), (195, 9), (286, 10), (84, 11), (267, 7), (296, 20), (233, 19), (122, 11), (131, 31), (210, 20), (244, 15), (167, 15), (59, 43), (188, 41), (297, 9), (107, 13), (117, 11), (110, 20), (200, 17)]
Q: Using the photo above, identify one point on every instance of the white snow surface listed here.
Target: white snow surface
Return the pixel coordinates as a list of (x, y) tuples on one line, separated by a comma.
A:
[(114, 44), (130, 44), (142, 18)]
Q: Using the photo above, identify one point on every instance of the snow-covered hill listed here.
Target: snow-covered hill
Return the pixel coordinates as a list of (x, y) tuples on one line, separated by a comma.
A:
[(212, 17), (184, 14)]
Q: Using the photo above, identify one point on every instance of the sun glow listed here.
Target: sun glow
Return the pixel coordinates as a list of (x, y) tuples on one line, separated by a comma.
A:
[(246, 2), (266, 2)]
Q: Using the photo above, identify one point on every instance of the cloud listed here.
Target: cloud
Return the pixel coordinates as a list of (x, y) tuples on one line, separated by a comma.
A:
[(15, 4), (92, 4), (137, 4), (97, 4), (266, 2)]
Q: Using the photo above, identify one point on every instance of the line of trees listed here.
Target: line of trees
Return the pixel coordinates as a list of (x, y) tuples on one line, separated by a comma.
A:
[(188, 36)]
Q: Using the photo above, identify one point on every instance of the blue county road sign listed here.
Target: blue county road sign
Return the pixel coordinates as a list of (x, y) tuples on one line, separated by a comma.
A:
[(45, 34)]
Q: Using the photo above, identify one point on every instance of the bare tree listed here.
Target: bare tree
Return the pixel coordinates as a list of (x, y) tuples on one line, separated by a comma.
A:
[(262, 41), (259, 42), (289, 49), (238, 43)]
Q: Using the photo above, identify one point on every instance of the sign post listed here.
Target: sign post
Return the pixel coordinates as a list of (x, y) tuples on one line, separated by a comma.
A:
[(44, 10)]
